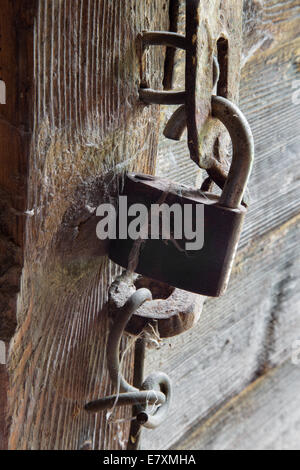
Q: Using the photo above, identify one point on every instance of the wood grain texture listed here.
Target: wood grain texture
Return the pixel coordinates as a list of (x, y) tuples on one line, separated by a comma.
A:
[(266, 87), (16, 65), (80, 126), (275, 121), (87, 125), (266, 98), (265, 416), (252, 328), (268, 24), (240, 336)]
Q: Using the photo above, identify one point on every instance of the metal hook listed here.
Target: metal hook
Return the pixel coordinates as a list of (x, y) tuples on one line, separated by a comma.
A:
[(177, 124), (162, 38), (237, 126), (155, 390)]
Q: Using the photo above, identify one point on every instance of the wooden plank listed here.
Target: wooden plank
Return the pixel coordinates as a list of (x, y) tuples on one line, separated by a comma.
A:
[(252, 328), (266, 98), (82, 131), (266, 416), (268, 24), (87, 126), (16, 120), (239, 337)]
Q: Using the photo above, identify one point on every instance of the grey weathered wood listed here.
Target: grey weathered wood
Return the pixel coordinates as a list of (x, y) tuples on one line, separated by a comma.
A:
[(239, 337), (85, 123), (268, 24), (84, 128), (253, 327), (265, 416)]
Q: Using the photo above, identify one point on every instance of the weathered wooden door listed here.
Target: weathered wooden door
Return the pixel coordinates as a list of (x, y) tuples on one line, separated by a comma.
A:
[(71, 123), (71, 120)]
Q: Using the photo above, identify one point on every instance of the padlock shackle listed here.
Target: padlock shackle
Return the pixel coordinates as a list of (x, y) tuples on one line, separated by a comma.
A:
[(243, 150)]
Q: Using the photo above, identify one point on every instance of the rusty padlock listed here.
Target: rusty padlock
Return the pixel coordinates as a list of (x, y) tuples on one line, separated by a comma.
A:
[(205, 270)]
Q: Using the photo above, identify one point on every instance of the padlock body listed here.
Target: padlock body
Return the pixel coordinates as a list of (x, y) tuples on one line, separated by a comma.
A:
[(205, 271)]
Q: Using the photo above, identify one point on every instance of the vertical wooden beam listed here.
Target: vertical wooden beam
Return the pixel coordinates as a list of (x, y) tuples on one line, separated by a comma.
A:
[(72, 124), (16, 119)]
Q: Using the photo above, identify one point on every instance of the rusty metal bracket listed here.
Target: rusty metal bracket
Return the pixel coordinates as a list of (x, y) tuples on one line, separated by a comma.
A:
[(201, 43), (177, 124), (169, 313)]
